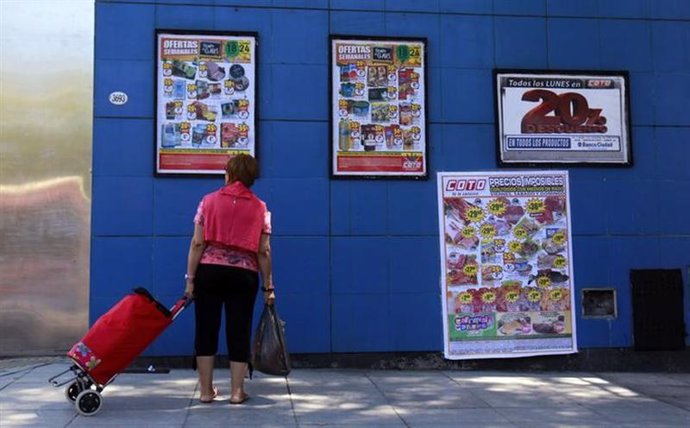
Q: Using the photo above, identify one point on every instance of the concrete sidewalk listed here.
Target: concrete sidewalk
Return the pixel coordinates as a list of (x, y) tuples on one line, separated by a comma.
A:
[(364, 398)]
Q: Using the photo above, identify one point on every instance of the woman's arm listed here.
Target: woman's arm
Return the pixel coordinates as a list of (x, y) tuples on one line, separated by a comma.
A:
[(265, 266), (196, 249)]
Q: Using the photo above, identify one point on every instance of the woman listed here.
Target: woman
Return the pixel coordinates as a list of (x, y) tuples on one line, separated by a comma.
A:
[(229, 248)]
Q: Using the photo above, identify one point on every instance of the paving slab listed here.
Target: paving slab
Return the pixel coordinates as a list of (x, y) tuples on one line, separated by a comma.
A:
[(466, 417), (357, 398)]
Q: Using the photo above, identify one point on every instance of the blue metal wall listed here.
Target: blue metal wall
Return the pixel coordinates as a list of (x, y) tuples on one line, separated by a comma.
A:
[(357, 262)]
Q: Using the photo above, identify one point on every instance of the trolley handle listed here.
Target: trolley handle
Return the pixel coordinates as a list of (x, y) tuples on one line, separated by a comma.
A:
[(180, 305), (172, 313)]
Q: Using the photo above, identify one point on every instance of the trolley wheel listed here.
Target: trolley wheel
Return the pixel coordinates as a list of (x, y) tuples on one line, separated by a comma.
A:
[(88, 402), (72, 391)]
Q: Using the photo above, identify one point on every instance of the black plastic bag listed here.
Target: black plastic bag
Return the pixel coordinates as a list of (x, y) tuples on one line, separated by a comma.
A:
[(270, 355)]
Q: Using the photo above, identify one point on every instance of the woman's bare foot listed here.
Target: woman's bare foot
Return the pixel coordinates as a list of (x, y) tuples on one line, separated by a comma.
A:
[(239, 398), (208, 397)]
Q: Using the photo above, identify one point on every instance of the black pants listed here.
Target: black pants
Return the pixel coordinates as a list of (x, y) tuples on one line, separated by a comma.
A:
[(234, 289)]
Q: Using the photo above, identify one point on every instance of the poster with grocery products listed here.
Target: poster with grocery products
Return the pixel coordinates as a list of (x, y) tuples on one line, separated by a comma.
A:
[(205, 100), (562, 118), (506, 264), (378, 108)]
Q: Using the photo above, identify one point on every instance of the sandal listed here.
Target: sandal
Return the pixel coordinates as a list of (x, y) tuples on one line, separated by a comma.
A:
[(215, 394)]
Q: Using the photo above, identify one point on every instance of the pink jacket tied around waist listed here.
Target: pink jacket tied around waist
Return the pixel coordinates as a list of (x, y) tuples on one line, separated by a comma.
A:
[(233, 216)]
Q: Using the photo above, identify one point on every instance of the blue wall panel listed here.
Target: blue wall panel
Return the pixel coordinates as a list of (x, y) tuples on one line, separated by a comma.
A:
[(358, 4), (114, 142), (360, 23), (175, 203), (138, 85), (168, 273), (358, 208), (578, 8), (307, 320), (587, 203), (466, 6), (434, 150), (414, 264), (236, 19), (360, 265), (671, 93), (356, 261), (301, 3), (573, 43), (642, 98), (412, 5), (295, 149), (124, 31), (464, 98), (301, 264), (626, 9), (467, 147), (434, 102), (670, 9), (592, 256), (122, 206), (632, 52), (520, 7), (118, 265), (520, 42), (293, 40), (361, 323), (184, 17), (665, 42), (599, 332), (409, 331), (467, 41), (674, 253), (299, 206), (239, 2), (674, 203), (296, 92), (641, 213), (412, 208), (672, 160), (645, 152)]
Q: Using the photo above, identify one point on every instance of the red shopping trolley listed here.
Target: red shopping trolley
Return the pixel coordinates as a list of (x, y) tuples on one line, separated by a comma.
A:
[(111, 344)]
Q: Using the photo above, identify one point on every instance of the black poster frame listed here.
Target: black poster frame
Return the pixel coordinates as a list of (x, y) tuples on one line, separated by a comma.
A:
[(626, 146), (157, 126), (332, 38)]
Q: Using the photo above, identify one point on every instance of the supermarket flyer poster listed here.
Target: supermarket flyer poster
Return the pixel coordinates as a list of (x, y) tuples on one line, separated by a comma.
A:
[(206, 101), (378, 111), (506, 264)]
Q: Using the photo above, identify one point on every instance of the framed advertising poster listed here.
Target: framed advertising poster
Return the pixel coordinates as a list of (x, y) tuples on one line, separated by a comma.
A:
[(506, 264), (378, 107), (562, 118), (205, 100)]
